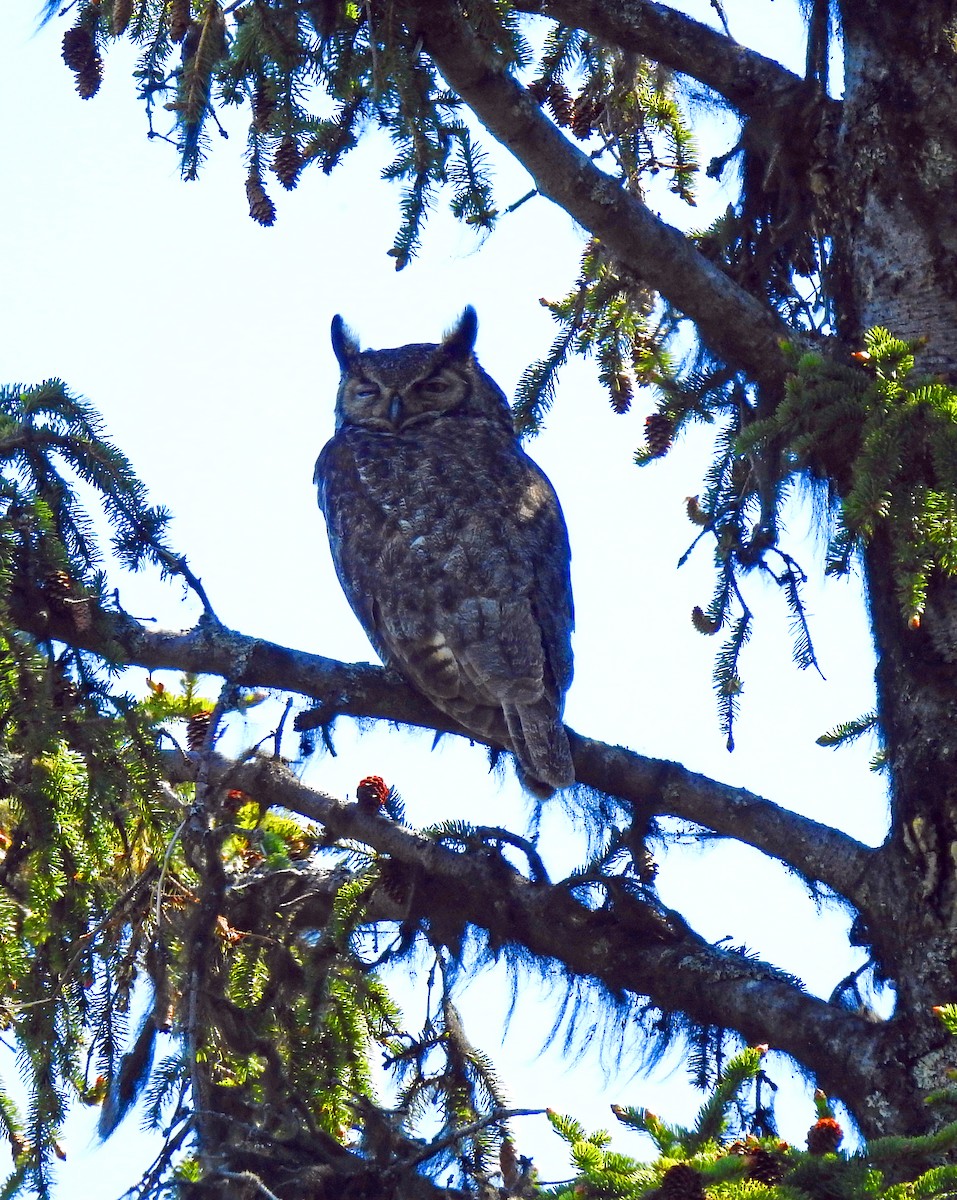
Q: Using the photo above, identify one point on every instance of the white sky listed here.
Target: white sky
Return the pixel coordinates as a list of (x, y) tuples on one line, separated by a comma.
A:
[(203, 340)]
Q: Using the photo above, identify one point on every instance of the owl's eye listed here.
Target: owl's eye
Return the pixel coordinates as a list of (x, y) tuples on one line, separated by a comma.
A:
[(366, 391), (435, 387)]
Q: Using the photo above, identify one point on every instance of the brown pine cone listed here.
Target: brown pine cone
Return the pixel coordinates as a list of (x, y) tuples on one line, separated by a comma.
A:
[(621, 392), (682, 1182), (263, 103), (89, 79), (586, 111), (78, 48), (287, 163), (559, 103), (261, 208), (763, 1165), (179, 18), (659, 430), (120, 16), (824, 1136), (196, 729)]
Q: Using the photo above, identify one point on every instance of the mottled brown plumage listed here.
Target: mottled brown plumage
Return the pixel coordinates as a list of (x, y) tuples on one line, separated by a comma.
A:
[(450, 545)]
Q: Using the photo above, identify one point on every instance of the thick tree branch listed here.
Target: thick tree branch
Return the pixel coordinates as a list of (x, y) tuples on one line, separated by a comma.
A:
[(750, 82), (650, 786), (630, 945), (734, 324)]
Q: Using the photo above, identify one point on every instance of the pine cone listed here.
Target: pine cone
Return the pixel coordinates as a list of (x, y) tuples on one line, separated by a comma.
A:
[(120, 16), (538, 90), (59, 587), (764, 1166), (824, 1136), (682, 1182), (263, 104), (179, 18), (89, 79), (371, 794), (287, 163), (621, 392), (659, 430), (196, 729), (78, 48), (702, 622), (261, 208), (586, 110), (559, 103)]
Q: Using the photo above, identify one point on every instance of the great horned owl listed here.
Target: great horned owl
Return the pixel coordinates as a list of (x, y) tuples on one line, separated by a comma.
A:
[(450, 544)]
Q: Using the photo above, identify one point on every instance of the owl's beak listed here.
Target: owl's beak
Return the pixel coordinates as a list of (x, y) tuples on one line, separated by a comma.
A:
[(395, 409)]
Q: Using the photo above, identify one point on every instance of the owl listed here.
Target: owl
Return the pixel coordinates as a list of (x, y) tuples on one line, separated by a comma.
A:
[(450, 544)]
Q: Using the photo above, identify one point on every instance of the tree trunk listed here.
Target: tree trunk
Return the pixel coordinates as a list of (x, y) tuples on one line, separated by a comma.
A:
[(895, 252)]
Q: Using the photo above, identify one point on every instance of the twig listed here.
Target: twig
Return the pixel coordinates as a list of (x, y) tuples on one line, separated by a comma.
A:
[(248, 1177), (494, 1118)]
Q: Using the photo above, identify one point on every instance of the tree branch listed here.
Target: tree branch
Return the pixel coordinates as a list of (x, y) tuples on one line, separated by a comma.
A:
[(651, 786), (633, 945), (750, 82), (741, 329)]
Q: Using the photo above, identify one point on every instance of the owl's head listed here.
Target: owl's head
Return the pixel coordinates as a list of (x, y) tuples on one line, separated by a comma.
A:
[(398, 390)]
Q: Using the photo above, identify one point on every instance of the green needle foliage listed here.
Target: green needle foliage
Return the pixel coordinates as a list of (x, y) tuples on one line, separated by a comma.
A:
[(704, 1163)]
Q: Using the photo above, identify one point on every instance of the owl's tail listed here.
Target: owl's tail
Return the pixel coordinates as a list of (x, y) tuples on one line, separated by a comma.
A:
[(541, 745)]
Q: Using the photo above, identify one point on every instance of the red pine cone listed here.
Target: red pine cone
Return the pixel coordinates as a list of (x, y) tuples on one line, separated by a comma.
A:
[(682, 1182), (261, 208), (659, 431), (196, 729), (372, 793), (824, 1136), (287, 163)]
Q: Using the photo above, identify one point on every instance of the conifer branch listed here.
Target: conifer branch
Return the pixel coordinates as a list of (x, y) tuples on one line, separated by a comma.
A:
[(753, 84), (731, 322), (366, 691), (636, 946)]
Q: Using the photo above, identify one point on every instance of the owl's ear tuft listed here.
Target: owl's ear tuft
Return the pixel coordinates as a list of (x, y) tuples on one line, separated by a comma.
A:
[(344, 345), (460, 341)]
